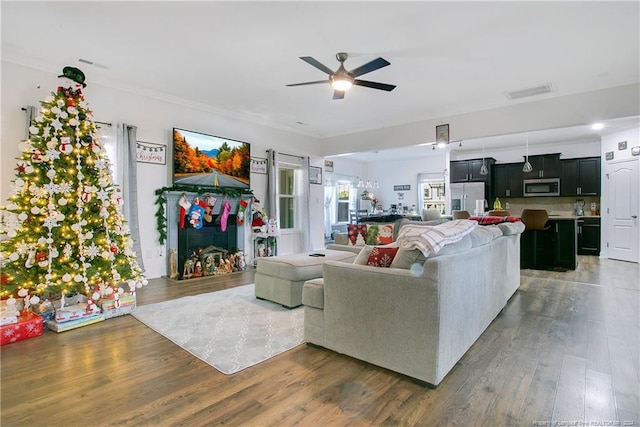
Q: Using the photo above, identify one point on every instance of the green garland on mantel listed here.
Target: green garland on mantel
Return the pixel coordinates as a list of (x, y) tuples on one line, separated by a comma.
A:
[(161, 220)]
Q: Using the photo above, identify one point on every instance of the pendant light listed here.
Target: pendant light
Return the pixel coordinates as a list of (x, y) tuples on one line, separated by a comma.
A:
[(527, 166), (483, 168)]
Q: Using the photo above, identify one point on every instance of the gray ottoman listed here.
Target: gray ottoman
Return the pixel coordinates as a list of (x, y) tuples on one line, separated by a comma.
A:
[(280, 278)]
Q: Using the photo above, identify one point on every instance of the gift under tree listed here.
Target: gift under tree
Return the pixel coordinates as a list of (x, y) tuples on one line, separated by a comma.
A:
[(65, 232)]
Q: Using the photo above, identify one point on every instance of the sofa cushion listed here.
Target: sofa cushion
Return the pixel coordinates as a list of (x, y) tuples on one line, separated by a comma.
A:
[(405, 258), (511, 228), (382, 256), (363, 255), (453, 248), (313, 293), (481, 236)]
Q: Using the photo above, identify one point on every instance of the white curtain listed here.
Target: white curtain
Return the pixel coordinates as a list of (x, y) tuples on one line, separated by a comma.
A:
[(129, 184), (31, 113), (275, 161)]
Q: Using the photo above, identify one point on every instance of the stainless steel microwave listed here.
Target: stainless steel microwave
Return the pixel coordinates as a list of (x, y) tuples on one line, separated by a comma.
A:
[(541, 187)]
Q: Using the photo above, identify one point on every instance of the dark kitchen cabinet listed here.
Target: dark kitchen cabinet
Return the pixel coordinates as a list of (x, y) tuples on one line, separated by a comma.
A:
[(564, 243), (469, 170), (589, 236), (544, 166), (507, 180), (580, 177)]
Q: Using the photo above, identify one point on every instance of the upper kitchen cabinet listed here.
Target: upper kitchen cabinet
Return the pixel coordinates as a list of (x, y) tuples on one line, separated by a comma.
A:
[(469, 170), (580, 177), (507, 180), (544, 166)]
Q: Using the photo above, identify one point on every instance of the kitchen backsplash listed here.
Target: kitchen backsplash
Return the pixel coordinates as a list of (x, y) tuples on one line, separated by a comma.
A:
[(553, 205)]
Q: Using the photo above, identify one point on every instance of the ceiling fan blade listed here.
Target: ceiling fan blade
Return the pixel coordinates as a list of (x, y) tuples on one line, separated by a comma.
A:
[(374, 85), (309, 83), (311, 61), (369, 67), (338, 94)]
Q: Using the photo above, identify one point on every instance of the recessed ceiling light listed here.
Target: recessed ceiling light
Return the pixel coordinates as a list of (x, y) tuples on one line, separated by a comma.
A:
[(597, 126)]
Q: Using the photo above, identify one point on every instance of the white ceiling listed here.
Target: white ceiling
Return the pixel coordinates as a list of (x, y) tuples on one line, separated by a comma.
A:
[(235, 58)]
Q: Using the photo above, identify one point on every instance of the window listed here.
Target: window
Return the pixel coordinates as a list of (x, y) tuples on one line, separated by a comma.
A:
[(344, 200), (287, 196)]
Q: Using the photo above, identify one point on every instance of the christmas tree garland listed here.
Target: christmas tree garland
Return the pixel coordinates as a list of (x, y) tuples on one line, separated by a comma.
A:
[(161, 200)]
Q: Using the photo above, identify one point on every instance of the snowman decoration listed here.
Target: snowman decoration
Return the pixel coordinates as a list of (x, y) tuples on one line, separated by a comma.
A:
[(71, 81)]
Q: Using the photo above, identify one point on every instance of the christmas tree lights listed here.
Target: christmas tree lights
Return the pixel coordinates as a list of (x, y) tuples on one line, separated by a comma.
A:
[(64, 230)]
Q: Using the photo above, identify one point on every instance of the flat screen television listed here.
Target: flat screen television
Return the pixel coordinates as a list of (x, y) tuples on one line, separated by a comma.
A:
[(210, 161)]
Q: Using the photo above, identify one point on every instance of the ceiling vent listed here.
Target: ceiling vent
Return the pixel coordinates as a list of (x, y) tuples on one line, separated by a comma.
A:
[(532, 91), (95, 64)]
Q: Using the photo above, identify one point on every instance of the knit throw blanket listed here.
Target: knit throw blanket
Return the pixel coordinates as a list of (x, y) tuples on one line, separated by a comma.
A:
[(430, 239)]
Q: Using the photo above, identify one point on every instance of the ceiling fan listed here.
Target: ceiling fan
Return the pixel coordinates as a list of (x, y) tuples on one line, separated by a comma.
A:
[(341, 79)]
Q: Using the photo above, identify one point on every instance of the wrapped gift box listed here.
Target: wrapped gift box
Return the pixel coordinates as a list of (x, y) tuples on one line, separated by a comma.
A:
[(29, 325), (113, 308), (74, 324), (73, 312)]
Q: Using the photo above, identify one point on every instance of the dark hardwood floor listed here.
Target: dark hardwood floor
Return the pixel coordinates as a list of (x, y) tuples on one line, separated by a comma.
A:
[(565, 349)]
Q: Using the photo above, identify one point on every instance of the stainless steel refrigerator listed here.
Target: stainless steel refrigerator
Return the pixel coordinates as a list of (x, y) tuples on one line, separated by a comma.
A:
[(465, 195)]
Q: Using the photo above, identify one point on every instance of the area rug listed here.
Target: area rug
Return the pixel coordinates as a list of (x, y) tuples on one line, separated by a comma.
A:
[(230, 330)]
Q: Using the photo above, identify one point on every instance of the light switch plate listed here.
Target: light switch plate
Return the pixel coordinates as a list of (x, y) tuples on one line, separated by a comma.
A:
[(635, 151), (622, 145), (609, 155)]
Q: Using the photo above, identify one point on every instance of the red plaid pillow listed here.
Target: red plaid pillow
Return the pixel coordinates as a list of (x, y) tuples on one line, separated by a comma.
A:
[(382, 256)]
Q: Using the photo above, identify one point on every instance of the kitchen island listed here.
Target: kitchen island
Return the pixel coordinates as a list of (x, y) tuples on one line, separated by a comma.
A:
[(558, 244)]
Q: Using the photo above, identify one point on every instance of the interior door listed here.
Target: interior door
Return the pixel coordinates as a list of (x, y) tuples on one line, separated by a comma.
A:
[(623, 211)]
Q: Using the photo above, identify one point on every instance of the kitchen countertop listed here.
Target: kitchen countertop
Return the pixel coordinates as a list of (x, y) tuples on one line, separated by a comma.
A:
[(566, 216)]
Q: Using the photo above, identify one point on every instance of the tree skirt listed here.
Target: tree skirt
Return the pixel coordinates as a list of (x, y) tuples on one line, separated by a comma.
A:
[(230, 330)]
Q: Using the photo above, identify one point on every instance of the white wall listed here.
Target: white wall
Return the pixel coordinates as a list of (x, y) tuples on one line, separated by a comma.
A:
[(610, 143), (524, 116), (22, 86), (403, 172)]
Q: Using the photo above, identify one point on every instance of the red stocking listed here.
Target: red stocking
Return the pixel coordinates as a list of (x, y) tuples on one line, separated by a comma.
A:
[(184, 207)]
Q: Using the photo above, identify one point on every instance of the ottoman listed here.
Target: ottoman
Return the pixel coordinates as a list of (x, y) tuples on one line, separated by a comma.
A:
[(280, 278)]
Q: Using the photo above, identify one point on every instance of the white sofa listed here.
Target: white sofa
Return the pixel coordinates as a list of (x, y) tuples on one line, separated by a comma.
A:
[(416, 323)]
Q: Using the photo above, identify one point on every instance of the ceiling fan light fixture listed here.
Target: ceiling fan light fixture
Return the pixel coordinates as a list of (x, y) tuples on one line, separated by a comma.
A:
[(341, 84)]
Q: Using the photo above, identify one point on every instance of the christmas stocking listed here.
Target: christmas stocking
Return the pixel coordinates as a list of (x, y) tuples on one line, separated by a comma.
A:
[(242, 207), (226, 208), (210, 203), (195, 216), (184, 206)]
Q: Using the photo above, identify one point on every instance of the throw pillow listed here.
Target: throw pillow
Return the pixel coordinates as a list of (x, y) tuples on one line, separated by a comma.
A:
[(357, 234), (379, 234), (382, 257)]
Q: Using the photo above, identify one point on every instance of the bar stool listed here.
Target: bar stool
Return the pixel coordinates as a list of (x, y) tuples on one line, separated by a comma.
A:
[(535, 240), (460, 214)]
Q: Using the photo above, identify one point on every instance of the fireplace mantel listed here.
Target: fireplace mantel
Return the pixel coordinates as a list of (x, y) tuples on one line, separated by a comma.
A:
[(172, 216)]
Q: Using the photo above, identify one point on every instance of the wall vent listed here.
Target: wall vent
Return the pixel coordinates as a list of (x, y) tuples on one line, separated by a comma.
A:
[(532, 91)]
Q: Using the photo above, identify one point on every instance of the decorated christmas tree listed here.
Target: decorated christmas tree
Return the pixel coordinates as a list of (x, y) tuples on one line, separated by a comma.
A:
[(64, 231)]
